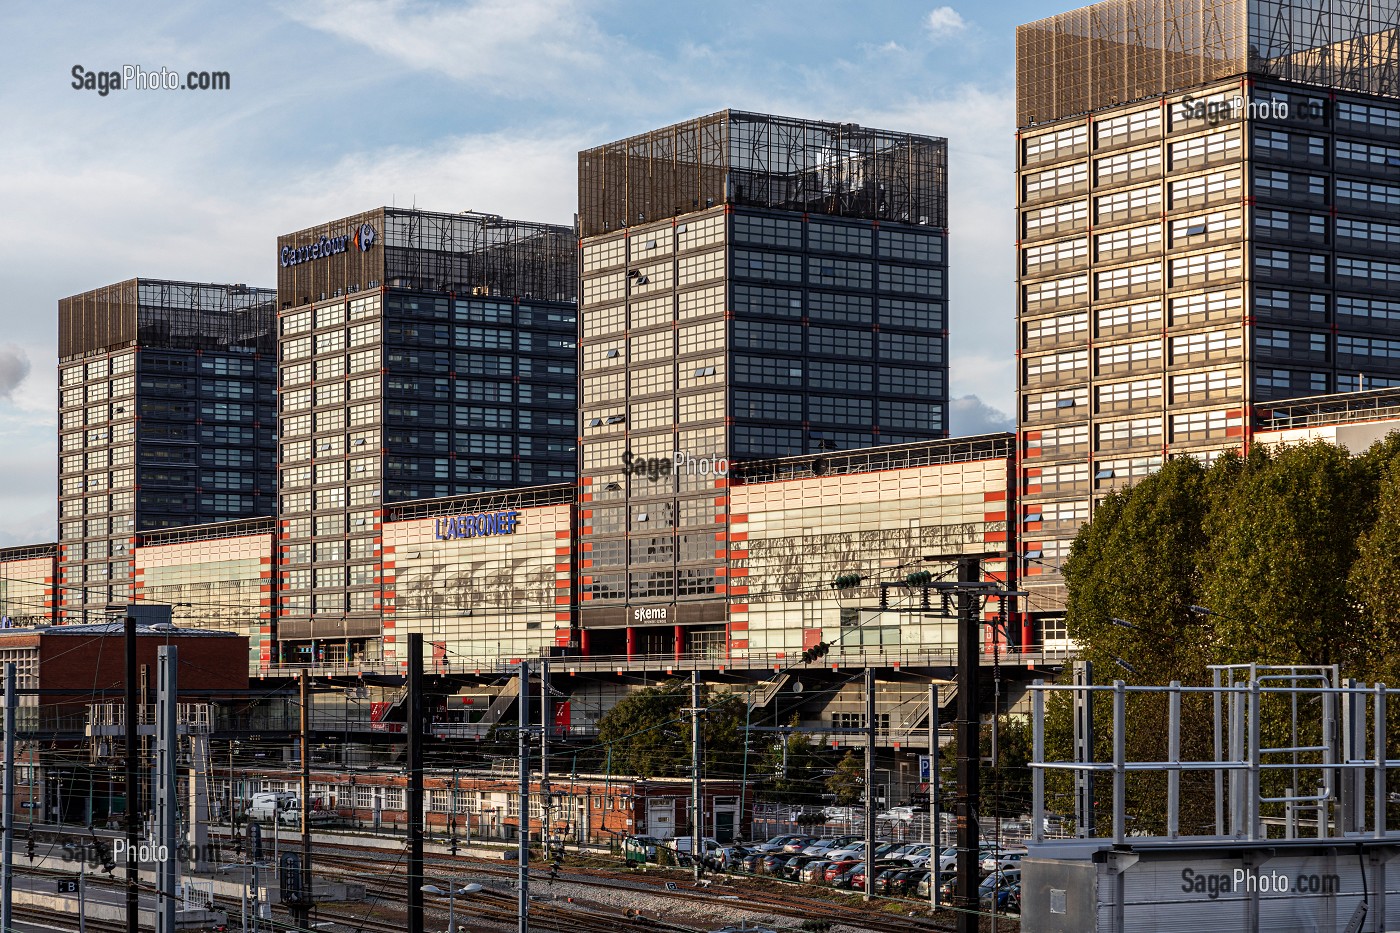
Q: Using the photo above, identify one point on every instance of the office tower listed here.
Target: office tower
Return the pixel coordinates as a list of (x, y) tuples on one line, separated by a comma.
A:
[(421, 355), (752, 286), (1208, 219), (166, 418)]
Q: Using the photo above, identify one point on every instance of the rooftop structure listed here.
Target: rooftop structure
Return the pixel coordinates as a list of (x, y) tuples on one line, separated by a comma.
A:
[(1121, 51), (759, 160)]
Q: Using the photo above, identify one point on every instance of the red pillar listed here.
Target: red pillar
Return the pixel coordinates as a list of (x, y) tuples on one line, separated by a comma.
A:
[(583, 641), (1027, 633), (631, 642), (680, 642)]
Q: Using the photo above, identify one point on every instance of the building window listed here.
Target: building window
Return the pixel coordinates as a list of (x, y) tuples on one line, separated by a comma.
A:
[(1133, 433), (1128, 395)]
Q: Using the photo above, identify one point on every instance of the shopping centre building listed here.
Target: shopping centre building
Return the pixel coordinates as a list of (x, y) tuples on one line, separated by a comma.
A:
[(746, 401)]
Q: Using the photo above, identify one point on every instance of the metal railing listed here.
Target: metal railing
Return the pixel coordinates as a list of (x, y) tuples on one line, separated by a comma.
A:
[(1329, 777), (839, 657)]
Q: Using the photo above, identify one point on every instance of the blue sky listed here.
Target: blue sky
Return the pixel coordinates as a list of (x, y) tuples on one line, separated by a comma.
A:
[(482, 104)]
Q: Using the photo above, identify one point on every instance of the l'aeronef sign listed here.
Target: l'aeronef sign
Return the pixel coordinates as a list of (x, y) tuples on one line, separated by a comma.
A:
[(363, 238), (481, 525)]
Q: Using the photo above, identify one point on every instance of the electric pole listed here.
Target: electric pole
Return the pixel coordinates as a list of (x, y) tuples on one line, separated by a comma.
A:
[(523, 866), (7, 848), (869, 783), (167, 817), (936, 860), (133, 786), (545, 797), (415, 782), (301, 910), (969, 743), (695, 800)]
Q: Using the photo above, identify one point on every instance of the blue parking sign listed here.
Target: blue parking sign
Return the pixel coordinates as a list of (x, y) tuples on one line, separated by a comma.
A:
[(925, 768)]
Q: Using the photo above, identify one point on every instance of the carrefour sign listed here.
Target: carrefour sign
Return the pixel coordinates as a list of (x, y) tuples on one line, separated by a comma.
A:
[(362, 239), (481, 525)]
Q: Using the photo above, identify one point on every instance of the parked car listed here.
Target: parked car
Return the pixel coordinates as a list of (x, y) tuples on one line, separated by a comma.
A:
[(771, 864), (797, 844), (1006, 858), (856, 881), (726, 858), (749, 864), (908, 884), (292, 816), (885, 879), (795, 865), (843, 814), (709, 849), (827, 846), (776, 843), (814, 871), (915, 853), (847, 878), (897, 814), (853, 850), (1008, 898), (995, 882), (838, 867), (948, 860)]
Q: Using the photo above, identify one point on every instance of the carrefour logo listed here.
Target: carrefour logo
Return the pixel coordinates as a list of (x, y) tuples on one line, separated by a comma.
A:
[(363, 238)]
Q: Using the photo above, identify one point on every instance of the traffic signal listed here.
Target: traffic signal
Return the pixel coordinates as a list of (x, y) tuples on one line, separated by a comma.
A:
[(816, 651), (846, 581), (29, 845)]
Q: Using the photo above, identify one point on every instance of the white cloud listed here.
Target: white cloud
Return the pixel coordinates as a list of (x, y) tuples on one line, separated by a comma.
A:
[(978, 122), (944, 23), (14, 367), (514, 48), (970, 415)]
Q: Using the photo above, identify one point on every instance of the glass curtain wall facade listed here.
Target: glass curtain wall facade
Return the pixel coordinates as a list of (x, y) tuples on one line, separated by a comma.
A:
[(800, 523), (166, 418), (500, 595), (216, 577), (27, 577), (1188, 256), (438, 360), (752, 286)]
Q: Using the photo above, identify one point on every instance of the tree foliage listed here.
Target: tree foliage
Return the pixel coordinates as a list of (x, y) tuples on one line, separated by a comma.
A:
[(847, 783), (1290, 551), (647, 734), (794, 778)]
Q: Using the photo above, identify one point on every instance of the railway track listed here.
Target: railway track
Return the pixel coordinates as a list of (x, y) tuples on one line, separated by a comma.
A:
[(750, 893)]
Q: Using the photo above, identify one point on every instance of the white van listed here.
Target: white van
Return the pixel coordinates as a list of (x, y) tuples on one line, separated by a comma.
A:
[(267, 806)]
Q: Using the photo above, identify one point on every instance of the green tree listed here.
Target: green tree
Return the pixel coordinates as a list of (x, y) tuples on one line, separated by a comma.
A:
[(648, 732), (1374, 581), (847, 783), (1139, 561), (794, 778), (1291, 550), (1280, 552)]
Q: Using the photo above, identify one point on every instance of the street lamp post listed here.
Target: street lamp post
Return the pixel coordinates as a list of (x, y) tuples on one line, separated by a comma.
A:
[(451, 892)]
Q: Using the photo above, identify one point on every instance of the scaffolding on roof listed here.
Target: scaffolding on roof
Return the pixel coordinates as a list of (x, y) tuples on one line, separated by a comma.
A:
[(758, 160), (1120, 51), (161, 314), (480, 254)]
